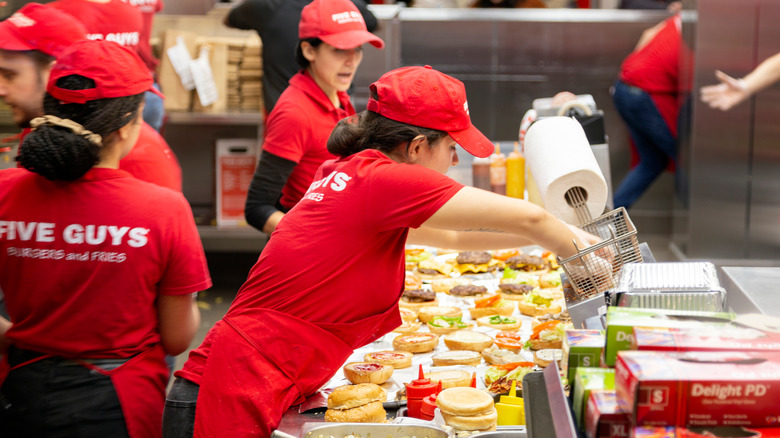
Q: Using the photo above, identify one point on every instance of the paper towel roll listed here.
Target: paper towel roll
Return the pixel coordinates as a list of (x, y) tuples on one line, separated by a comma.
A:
[(560, 158)]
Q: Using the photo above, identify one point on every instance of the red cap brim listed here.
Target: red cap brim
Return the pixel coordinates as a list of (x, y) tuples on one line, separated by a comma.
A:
[(9, 39), (157, 92), (352, 38), (473, 141)]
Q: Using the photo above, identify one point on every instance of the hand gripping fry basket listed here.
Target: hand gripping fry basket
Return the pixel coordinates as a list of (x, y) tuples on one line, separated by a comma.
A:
[(594, 270)]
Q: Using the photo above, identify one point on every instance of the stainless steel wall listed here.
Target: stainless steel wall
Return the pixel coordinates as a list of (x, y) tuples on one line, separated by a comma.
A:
[(729, 202), (508, 58)]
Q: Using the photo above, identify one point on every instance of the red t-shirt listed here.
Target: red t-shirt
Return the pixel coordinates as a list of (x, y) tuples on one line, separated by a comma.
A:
[(152, 160), (82, 263), (298, 129), (113, 21), (148, 8), (655, 68), (338, 255)]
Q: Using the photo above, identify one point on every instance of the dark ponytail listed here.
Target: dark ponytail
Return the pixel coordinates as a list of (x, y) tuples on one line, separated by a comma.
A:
[(369, 130), (58, 153)]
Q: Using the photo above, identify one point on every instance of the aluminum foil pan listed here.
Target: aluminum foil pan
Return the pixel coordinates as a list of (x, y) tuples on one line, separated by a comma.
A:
[(709, 301), (369, 430)]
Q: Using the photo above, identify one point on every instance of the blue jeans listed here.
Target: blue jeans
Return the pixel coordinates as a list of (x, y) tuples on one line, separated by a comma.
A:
[(154, 112), (653, 140), (55, 397), (179, 413)]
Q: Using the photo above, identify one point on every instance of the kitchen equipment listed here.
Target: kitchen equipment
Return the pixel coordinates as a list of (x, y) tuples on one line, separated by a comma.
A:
[(366, 430), (672, 285)]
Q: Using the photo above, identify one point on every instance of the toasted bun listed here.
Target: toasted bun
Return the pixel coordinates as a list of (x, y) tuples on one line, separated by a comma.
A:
[(416, 306), (538, 344), (467, 340), (426, 314), (420, 342), (465, 401), (407, 327), (447, 330), (473, 422), (396, 359), (352, 396), (457, 357), (445, 284), (366, 372), (450, 378), (368, 413), (532, 310), (505, 309), (485, 322), (408, 314), (499, 356), (546, 357)]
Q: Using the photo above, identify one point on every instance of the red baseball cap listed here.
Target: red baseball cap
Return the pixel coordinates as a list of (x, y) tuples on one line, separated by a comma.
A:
[(336, 22), (422, 96), (117, 71), (42, 28)]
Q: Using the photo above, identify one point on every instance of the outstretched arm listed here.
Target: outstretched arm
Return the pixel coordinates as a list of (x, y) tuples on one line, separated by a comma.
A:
[(730, 91)]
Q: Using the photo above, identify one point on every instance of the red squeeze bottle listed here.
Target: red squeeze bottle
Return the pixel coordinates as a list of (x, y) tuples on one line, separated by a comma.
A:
[(416, 392), (429, 404), (473, 380)]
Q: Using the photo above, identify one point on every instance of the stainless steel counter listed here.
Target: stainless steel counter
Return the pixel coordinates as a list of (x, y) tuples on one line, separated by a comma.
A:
[(752, 290)]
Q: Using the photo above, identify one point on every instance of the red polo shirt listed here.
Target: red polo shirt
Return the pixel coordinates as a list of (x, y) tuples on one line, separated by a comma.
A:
[(113, 21), (152, 160), (298, 129)]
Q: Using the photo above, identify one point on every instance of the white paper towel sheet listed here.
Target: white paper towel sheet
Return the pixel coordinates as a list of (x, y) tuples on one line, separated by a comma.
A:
[(560, 158)]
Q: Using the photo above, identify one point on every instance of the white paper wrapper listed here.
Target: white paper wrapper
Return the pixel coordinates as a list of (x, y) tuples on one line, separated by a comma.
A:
[(560, 158)]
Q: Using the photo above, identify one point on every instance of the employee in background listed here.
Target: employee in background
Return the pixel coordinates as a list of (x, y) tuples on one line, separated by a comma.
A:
[(330, 50), (44, 32), (276, 22), (646, 95), (99, 269), (731, 91), (154, 111), (330, 278)]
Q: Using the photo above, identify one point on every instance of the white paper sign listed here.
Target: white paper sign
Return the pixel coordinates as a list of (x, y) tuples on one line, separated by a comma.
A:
[(181, 59), (204, 79)]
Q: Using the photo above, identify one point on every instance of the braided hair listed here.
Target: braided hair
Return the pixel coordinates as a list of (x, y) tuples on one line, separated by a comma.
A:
[(58, 153)]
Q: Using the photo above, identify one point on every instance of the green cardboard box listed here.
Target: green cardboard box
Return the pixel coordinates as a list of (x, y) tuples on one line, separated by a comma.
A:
[(581, 348), (622, 320), (587, 379)]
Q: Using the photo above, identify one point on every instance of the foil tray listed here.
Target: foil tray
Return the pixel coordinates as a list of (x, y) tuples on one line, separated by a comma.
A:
[(371, 430)]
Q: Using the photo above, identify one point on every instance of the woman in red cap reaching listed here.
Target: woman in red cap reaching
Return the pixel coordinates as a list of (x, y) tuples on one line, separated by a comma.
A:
[(99, 269), (331, 34), (330, 278)]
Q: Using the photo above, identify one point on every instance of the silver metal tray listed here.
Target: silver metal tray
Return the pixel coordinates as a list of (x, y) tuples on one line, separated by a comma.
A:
[(369, 430)]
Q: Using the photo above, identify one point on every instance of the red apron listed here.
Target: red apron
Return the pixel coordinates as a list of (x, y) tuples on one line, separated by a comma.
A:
[(140, 386), (262, 361)]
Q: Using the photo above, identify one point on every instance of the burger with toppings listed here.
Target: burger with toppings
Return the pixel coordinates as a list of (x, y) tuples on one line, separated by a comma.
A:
[(476, 262)]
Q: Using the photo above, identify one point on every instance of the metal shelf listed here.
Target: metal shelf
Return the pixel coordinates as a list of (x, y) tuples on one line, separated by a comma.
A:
[(232, 118)]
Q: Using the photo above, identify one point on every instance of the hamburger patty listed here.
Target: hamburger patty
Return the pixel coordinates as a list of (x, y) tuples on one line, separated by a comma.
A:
[(419, 295), (467, 290), (525, 262), (515, 289), (474, 257)]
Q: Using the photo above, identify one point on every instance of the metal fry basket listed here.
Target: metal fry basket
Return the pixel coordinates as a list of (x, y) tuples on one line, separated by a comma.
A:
[(594, 270)]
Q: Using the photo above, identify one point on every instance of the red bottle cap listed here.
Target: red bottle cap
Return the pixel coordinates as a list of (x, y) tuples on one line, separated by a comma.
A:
[(420, 387), (473, 380), (429, 404)]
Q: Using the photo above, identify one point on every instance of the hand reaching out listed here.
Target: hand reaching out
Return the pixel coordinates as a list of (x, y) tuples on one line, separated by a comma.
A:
[(725, 95)]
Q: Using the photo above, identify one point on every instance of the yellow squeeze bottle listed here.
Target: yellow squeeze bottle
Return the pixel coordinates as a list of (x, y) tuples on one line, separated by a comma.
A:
[(515, 173), (511, 410)]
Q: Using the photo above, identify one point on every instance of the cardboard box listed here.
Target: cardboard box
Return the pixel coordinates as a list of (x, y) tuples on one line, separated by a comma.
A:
[(603, 416), (581, 348), (585, 381), (699, 388), (705, 432), (730, 337), (236, 160), (622, 320)]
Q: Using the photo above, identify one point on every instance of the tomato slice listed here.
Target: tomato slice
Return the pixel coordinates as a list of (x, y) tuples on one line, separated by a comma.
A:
[(487, 301), (545, 325), (513, 365), (509, 343), (508, 334)]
